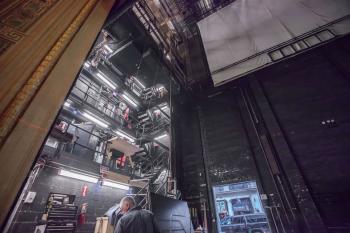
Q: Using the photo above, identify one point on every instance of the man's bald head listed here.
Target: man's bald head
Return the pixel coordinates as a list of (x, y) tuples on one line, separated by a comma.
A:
[(127, 203)]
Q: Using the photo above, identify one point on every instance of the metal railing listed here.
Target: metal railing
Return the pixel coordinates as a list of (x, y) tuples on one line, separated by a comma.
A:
[(143, 196), (149, 164), (110, 107), (126, 169), (99, 101), (152, 127)]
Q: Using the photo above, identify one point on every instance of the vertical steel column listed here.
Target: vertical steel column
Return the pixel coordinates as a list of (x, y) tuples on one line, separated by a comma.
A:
[(170, 167), (280, 204)]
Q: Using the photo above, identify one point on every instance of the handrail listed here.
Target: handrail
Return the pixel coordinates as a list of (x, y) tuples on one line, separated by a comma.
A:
[(126, 170), (82, 79), (100, 111), (142, 188), (107, 98), (160, 187), (134, 194), (86, 147), (96, 100), (70, 123), (103, 139), (156, 161)]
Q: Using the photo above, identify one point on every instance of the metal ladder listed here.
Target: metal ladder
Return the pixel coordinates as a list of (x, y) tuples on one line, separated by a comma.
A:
[(143, 196)]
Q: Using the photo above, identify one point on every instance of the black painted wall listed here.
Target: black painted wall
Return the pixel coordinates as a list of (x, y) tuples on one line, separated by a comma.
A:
[(288, 128), (190, 167), (99, 200), (311, 104)]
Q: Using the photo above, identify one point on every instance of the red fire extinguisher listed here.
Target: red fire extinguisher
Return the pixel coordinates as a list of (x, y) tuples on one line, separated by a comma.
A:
[(82, 215), (84, 191)]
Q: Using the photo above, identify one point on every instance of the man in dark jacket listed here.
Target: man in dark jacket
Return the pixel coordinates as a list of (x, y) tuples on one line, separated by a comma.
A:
[(135, 219)]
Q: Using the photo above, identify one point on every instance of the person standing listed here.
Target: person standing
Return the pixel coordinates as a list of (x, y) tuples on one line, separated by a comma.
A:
[(135, 219), (113, 155)]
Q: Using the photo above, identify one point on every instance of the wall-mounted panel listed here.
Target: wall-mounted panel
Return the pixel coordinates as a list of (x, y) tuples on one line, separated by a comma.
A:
[(310, 99)]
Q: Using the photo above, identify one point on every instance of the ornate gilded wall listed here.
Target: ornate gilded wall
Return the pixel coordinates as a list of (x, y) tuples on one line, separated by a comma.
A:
[(43, 45), (17, 16)]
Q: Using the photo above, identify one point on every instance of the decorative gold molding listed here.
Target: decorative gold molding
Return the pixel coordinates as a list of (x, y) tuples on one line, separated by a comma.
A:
[(10, 33), (26, 13), (17, 16), (18, 105)]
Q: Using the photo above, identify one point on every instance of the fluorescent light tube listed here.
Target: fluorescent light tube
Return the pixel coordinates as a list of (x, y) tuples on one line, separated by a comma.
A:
[(95, 120), (162, 108), (129, 100), (106, 81), (87, 64), (67, 104), (207, 4), (122, 134), (161, 136), (160, 88), (136, 92), (108, 48), (115, 185), (138, 82), (77, 176)]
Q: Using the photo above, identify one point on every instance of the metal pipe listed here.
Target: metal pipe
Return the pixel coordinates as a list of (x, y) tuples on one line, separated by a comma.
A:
[(254, 120)]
